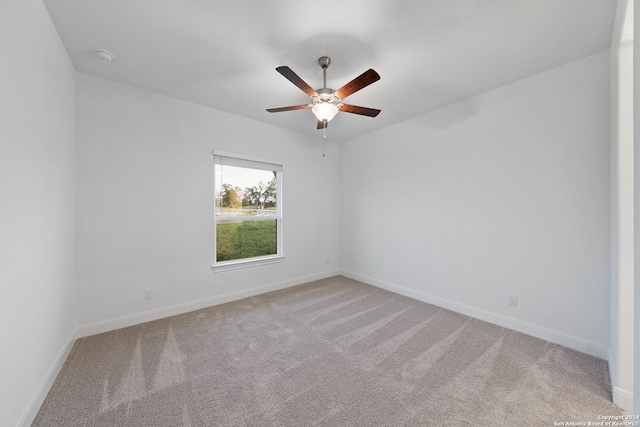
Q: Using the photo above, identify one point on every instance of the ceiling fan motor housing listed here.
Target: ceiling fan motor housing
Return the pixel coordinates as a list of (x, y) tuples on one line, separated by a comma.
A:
[(326, 94)]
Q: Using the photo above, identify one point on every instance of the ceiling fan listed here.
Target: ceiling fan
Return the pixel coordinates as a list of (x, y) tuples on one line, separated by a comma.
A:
[(326, 102)]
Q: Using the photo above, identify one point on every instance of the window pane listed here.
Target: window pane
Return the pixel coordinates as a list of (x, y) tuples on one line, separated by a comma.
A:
[(245, 192), (245, 239)]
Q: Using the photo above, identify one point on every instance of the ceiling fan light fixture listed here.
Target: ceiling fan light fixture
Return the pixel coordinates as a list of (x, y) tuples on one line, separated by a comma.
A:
[(324, 111)]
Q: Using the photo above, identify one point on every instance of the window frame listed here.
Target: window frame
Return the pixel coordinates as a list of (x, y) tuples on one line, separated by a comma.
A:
[(242, 160)]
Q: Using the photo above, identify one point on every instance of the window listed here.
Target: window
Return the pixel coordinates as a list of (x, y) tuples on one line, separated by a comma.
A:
[(248, 210)]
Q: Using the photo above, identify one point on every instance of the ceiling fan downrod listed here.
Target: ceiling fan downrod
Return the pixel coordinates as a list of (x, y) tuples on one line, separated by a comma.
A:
[(324, 62)]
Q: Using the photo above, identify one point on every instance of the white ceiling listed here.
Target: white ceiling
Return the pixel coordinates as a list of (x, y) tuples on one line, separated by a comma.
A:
[(429, 53)]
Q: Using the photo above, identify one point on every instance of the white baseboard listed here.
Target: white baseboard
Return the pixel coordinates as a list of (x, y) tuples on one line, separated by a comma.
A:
[(160, 313), (575, 343), (623, 399), (33, 409)]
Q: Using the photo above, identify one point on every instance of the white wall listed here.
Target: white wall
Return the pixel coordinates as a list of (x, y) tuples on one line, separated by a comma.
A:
[(622, 221), (506, 193), (636, 209), (37, 208), (145, 204)]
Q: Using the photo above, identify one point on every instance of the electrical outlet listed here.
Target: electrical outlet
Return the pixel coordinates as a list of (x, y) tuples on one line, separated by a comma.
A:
[(148, 294), (328, 261), (513, 301)]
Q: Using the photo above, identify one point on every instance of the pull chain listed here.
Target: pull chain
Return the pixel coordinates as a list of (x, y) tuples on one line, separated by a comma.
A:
[(324, 141)]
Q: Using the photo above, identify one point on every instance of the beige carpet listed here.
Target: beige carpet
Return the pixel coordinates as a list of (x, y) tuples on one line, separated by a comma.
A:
[(334, 352)]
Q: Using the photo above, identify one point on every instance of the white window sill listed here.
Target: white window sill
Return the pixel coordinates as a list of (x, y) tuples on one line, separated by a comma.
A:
[(246, 263)]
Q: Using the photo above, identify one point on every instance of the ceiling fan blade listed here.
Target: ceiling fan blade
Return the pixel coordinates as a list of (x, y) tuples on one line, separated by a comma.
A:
[(322, 124), (363, 111), (293, 107), (296, 80), (363, 80)]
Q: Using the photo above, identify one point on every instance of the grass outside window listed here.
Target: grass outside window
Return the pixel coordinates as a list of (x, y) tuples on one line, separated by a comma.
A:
[(246, 239)]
